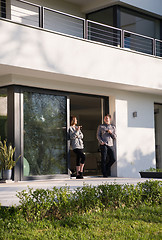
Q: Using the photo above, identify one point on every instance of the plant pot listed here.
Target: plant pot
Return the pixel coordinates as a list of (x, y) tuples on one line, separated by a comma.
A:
[(151, 174), (6, 174)]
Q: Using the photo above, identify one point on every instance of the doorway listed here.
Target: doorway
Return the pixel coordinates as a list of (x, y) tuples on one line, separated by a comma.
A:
[(89, 111), (158, 134)]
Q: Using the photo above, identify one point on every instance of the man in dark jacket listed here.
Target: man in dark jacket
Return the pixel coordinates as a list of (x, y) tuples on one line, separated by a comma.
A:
[(106, 133)]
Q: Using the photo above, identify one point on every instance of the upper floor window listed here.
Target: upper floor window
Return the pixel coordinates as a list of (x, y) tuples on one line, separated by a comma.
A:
[(127, 19), (139, 23), (105, 16), (3, 8)]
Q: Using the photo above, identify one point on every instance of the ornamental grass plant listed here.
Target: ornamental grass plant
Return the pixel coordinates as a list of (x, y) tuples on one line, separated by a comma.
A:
[(7, 161)]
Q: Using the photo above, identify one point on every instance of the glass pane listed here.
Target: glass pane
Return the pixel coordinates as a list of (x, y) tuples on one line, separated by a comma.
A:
[(139, 23), (3, 8), (158, 134), (25, 13), (44, 134), (3, 115), (104, 34), (59, 22), (102, 16)]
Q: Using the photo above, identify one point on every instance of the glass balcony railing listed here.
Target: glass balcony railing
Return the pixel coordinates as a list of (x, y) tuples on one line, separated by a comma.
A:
[(35, 15)]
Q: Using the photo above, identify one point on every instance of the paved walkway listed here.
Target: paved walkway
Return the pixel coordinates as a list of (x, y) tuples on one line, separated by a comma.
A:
[(8, 190)]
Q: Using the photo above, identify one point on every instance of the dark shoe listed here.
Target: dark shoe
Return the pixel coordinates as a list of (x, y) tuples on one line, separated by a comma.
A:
[(79, 177), (105, 176)]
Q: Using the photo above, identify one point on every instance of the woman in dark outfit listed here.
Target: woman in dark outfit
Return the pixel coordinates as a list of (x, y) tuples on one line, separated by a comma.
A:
[(76, 140)]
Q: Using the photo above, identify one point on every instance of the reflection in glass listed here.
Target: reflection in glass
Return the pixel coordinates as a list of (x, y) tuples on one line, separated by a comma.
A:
[(139, 23), (158, 134), (44, 134), (3, 115)]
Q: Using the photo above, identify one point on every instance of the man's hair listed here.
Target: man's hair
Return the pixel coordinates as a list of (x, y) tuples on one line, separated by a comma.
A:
[(108, 115)]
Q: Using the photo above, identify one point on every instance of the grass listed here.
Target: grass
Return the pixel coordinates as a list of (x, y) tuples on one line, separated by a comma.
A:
[(145, 222)]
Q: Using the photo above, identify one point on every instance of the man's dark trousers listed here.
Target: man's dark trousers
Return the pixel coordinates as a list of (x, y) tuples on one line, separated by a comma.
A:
[(107, 159)]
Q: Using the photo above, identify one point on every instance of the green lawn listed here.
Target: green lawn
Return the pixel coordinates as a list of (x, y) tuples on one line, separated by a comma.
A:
[(145, 222)]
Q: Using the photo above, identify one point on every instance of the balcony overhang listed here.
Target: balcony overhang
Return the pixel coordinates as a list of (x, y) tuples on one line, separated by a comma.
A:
[(91, 5), (143, 6), (11, 75), (41, 58)]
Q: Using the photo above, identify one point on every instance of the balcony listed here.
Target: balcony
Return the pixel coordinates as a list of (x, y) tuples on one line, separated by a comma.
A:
[(38, 16)]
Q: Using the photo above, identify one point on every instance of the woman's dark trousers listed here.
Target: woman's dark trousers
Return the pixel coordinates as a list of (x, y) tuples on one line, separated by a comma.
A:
[(80, 156)]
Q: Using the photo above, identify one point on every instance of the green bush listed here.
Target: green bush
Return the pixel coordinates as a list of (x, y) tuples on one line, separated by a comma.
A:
[(85, 199), (40, 203), (59, 203), (150, 192)]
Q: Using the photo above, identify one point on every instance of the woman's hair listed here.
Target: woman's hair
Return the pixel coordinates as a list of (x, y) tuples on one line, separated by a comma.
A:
[(72, 120)]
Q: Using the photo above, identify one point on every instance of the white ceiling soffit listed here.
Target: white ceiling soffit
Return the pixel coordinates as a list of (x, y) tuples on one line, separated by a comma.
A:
[(80, 2), (92, 5)]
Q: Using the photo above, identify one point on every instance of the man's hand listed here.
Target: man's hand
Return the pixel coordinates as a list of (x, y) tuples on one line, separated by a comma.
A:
[(109, 131)]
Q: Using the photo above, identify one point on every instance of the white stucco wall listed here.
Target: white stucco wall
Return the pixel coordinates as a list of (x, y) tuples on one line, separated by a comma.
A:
[(136, 135)]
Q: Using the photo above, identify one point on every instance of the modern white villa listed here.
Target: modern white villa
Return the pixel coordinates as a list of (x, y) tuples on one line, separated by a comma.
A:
[(84, 58)]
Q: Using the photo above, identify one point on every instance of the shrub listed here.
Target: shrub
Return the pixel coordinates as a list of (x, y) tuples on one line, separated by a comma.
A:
[(86, 198), (40, 203), (59, 203), (150, 192)]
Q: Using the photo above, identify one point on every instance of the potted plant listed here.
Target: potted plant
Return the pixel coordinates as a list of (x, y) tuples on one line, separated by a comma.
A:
[(151, 173), (7, 159)]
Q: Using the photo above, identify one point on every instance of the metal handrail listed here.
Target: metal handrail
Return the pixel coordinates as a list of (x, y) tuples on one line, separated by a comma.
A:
[(137, 42), (73, 25), (104, 25), (158, 40), (100, 35), (36, 6), (66, 14), (29, 3), (158, 52), (137, 34), (104, 33)]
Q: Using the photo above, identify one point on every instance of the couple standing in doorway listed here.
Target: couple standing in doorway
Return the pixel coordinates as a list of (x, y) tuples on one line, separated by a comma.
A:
[(106, 133)]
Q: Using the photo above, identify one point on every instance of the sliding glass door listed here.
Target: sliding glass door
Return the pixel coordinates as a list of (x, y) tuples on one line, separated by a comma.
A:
[(3, 115), (45, 126)]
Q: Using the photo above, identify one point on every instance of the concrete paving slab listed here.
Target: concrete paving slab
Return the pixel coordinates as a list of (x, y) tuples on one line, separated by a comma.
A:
[(9, 190)]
